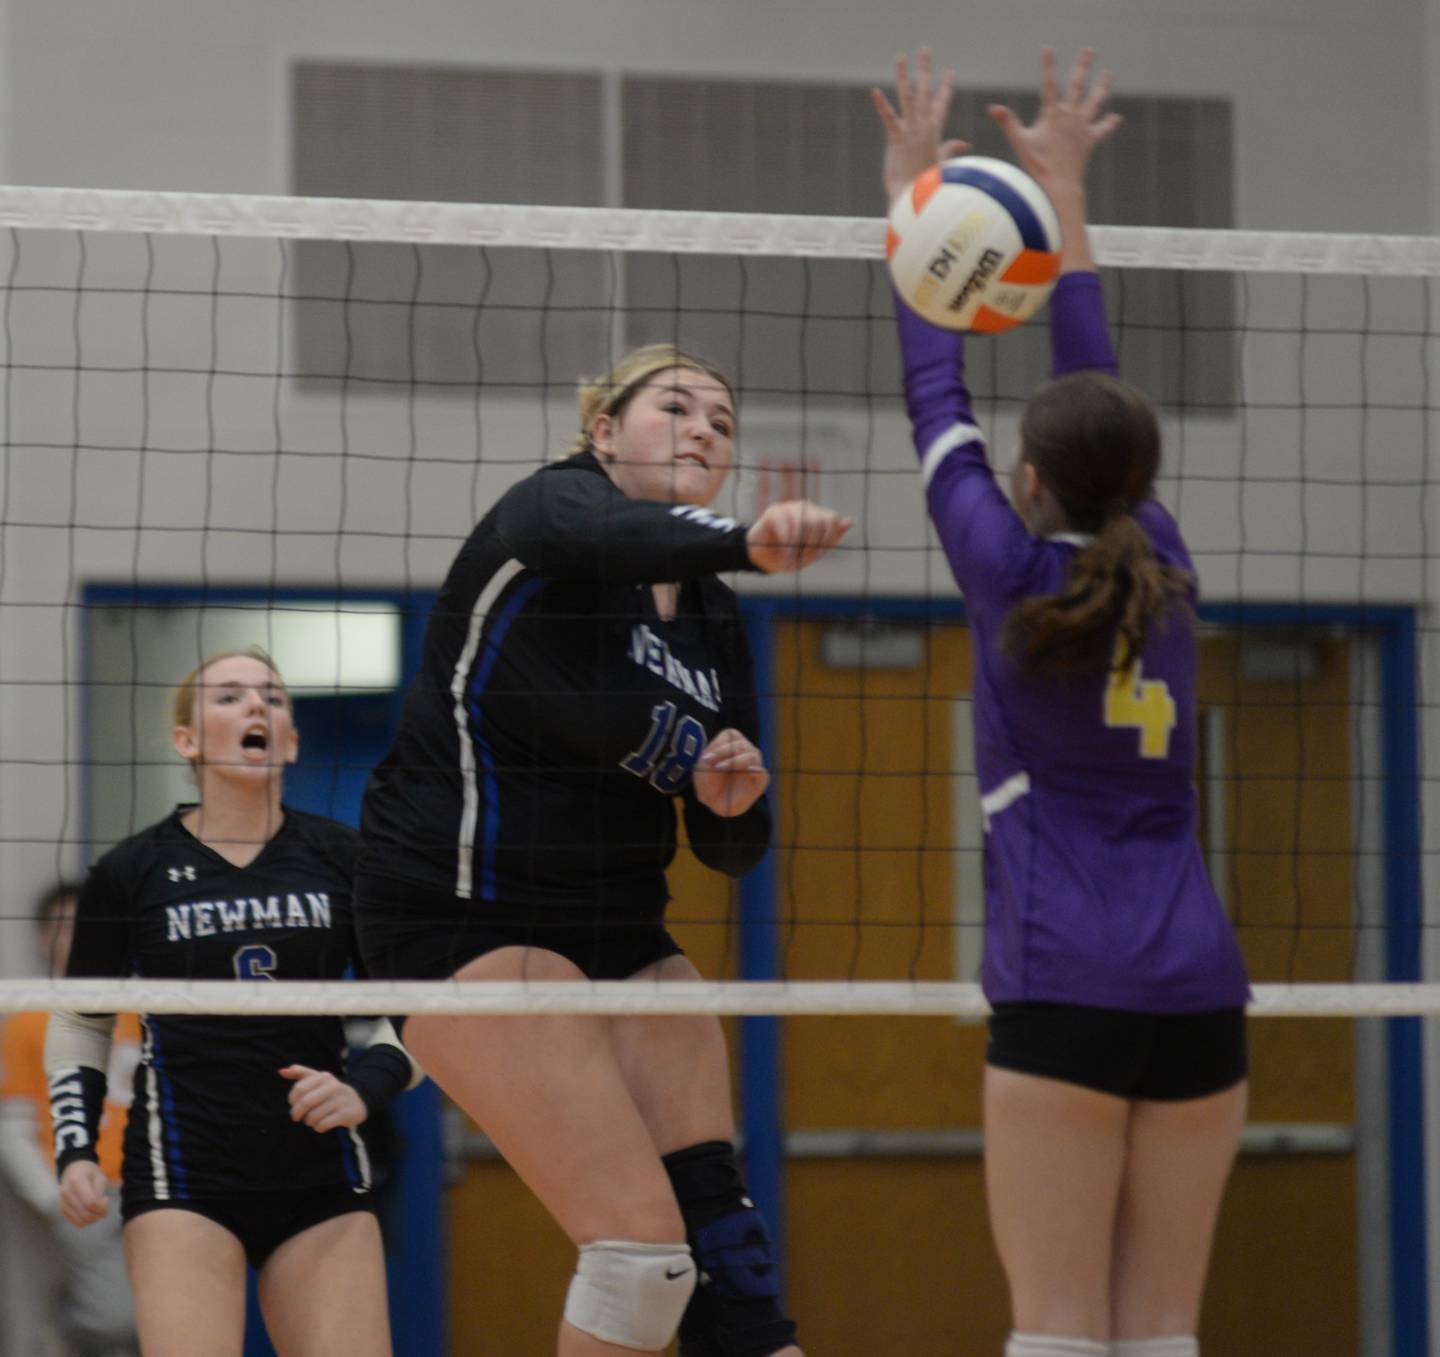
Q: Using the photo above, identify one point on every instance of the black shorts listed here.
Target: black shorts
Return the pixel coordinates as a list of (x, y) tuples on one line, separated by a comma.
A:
[(407, 932), (1162, 1057), (261, 1221)]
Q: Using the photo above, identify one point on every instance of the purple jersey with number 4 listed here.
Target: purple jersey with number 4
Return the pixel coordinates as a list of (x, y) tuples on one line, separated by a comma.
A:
[(1095, 889)]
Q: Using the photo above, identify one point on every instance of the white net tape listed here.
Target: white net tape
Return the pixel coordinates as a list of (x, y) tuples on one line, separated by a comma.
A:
[(591, 228), (723, 998)]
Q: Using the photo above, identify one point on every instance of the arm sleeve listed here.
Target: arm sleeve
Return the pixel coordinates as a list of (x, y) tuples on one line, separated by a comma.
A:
[(384, 1071), (1079, 336), (981, 534), (1080, 341), (574, 524), (77, 1052), (733, 844)]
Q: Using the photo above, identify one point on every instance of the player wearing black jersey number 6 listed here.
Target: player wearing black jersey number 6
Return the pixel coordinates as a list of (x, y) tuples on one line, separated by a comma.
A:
[(584, 669), (241, 1144)]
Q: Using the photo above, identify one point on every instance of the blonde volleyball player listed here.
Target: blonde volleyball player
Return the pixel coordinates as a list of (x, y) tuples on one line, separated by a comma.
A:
[(586, 673), (241, 1144), (1115, 1084)]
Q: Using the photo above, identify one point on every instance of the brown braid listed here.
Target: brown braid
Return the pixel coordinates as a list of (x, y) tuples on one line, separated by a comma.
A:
[(1095, 444)]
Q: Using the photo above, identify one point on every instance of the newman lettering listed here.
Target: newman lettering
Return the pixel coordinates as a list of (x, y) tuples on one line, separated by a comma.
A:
[(650, 652), (206, 918)]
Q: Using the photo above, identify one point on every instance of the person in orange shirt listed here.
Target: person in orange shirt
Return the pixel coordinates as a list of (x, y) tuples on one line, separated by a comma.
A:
[(97, 1311)]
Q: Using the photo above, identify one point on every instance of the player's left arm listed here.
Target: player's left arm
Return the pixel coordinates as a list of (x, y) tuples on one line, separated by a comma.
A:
[(727, 811), (1055, 150), (326, 1101)]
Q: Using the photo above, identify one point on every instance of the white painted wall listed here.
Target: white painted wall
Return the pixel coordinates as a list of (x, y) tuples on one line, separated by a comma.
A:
[(1331, 96)]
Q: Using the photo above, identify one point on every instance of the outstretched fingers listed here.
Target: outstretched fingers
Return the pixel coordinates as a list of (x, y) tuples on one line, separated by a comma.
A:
[(1094, 101), (1106, 127), (904, 92), (1049, 87), (1079, 75)]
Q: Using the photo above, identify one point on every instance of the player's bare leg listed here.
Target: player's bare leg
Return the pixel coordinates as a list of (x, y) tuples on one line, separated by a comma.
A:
[(188, 1275), (323, 1290), (1054, 1162), (1177, 1163), (549, 1091), (677, 1067)]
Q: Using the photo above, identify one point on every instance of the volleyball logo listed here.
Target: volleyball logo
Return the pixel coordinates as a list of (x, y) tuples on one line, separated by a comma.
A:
[(974, 244)]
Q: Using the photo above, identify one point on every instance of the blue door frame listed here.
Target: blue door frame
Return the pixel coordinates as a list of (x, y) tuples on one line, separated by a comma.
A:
[(1393, 627), (417, 1269)]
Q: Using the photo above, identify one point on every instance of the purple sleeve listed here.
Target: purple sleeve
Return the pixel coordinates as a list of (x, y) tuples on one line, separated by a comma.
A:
[(1079, 337), (936, 398), (982, 536), (1080, 340), (1164, 534)]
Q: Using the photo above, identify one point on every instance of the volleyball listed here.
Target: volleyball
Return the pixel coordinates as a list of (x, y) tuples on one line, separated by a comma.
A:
[(974, 244)]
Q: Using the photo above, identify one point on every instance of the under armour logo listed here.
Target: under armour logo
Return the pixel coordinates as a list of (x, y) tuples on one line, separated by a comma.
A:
[(181, 873)]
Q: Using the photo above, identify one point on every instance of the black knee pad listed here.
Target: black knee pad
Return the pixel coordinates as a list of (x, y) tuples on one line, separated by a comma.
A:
[(735, 1310)]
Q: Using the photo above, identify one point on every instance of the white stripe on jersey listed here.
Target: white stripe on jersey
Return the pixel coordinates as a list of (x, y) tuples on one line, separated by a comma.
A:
[(1006, 794), (470, 788), (362, 1159), (154, 1129), (943, 446)]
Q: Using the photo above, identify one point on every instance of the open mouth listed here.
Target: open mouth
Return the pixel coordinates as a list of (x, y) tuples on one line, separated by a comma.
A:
[(695, 458), (255, 740)]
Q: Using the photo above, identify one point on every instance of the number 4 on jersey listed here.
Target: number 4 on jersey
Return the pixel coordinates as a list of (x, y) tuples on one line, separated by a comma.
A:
[(1133, 701)]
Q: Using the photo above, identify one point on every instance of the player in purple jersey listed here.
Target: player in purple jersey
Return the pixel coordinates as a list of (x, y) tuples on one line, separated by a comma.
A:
[(1115, 1086), (242, 1143), (585, 674)]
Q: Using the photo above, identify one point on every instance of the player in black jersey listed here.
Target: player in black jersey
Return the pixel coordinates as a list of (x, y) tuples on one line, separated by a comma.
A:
[(583, 669), (242, 1143)]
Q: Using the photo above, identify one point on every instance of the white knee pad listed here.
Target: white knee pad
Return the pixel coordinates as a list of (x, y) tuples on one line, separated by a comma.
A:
[(1053, 1345), (1178, 1346), (631, 1295)]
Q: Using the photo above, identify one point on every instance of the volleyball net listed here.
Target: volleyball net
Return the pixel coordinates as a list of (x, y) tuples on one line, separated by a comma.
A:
[(272, 421)]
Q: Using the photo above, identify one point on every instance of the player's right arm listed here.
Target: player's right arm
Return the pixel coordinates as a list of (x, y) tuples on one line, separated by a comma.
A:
[(571, 523), (77, 1048), (981, 534)]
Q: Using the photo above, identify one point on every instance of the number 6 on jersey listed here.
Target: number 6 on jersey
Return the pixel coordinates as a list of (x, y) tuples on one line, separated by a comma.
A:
[(1133, 701)]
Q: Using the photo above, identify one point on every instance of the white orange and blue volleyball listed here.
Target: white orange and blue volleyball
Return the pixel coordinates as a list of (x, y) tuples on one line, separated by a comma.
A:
[(974, 244)]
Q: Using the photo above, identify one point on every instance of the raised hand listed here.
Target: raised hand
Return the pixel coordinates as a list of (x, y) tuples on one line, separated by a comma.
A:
[(322, 1101), (912, 136), (793, 534), (1055, 148), (730, 776)]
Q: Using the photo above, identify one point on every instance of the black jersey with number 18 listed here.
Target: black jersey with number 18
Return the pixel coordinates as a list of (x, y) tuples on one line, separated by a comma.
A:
[(557, 715)]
